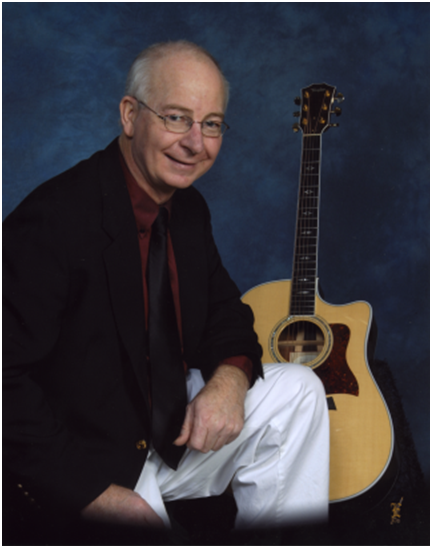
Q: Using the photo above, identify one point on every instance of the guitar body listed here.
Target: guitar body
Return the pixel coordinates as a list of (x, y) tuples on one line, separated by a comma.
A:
[(362, 437)]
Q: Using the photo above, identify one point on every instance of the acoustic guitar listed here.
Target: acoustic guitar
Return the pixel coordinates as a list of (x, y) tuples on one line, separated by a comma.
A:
[(295, 324)]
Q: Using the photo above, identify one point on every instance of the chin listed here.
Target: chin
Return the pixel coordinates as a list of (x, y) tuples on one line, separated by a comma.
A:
[(181, 183)]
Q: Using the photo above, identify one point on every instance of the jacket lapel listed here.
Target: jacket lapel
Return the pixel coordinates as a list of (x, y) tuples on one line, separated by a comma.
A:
[(122, 261)]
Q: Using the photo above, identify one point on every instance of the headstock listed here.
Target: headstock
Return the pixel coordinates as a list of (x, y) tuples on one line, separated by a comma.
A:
[(316, 108)]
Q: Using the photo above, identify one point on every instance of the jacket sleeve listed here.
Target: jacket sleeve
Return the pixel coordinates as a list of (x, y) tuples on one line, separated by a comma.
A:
[(38, 449), (229, 325)]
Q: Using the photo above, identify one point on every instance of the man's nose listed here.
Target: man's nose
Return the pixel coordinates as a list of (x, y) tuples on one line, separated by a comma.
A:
[(193, 139)]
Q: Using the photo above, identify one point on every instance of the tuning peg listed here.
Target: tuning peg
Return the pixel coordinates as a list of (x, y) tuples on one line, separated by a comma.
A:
[(296, 114), (297, 101), (334, 125), (296, 127), (337, 111), (339, 97)]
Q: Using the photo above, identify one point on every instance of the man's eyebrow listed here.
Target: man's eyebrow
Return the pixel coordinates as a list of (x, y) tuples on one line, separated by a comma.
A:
[(190, 112)]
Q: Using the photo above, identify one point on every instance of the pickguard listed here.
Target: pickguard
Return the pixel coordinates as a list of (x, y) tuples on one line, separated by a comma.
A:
[(335, 372)]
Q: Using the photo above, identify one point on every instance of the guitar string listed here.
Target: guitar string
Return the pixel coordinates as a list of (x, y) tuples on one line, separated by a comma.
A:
[(306, 238), (300, 257), (302, 243)]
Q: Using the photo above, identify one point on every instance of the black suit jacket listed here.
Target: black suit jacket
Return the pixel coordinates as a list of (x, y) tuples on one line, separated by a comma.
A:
[(75, 383)]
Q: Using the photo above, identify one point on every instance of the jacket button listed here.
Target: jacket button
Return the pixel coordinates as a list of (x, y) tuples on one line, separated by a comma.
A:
[(141, 444)]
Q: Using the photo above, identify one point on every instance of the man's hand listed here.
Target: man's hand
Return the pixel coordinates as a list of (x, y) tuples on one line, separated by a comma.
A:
[(121, 506), (215, 416)]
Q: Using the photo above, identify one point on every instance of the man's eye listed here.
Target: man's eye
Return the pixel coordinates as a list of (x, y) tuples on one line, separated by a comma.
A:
[(175, 118), (211, 124)]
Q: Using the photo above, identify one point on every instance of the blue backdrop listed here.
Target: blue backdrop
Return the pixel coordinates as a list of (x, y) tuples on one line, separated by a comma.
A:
[(64, 70)]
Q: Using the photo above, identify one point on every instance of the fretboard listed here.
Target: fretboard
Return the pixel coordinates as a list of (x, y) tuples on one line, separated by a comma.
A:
[(304, 278)]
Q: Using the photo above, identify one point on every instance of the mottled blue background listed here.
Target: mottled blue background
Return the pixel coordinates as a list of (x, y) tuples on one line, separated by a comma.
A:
[(64, 68)]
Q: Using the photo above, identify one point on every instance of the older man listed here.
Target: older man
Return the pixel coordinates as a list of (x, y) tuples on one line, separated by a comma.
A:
[(122, 391)]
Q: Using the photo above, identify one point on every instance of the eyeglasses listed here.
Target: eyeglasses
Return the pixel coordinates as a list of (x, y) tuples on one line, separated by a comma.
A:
[(182, 124)]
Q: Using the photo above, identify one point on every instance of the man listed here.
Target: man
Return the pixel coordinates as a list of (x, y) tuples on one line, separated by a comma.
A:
[(94, 422)]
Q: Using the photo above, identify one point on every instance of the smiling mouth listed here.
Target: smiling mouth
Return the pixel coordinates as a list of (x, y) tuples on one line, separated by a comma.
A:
[(178, 162)]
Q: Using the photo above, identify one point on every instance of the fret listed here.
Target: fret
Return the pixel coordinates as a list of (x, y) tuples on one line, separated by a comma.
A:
[(303, 296), (304, 274), (306, 228), (309, 202), (308, 212), (301, 308), (306, 250), (309, 223), (309, 193), (309, 261), (305, 271)]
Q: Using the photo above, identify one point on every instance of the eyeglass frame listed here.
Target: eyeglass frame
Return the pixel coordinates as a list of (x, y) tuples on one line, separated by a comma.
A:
[(224, 125)]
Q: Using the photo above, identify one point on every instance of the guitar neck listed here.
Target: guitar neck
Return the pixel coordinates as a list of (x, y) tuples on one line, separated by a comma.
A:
[(305, 262)]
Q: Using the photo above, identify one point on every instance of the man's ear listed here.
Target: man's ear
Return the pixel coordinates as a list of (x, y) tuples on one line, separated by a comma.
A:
[(128, 108)]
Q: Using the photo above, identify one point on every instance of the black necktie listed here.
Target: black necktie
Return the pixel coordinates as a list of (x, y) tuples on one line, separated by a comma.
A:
[(169, 396)]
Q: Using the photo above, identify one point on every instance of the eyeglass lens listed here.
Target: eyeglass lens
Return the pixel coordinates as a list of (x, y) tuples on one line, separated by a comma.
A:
[(181, 124)]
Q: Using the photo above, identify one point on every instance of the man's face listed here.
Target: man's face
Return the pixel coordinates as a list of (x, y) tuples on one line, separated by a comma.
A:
[(168, 161)]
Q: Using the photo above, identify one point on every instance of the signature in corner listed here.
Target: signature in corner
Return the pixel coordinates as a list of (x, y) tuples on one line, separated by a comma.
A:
[(395, 507)]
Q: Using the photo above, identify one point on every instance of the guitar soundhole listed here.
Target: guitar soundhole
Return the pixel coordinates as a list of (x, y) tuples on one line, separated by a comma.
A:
[(301, 342)]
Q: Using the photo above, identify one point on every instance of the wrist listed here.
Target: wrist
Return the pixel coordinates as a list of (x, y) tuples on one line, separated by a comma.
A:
[(231, 375)]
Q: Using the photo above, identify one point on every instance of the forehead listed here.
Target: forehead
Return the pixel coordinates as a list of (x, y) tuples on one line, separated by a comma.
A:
[(189, 81)]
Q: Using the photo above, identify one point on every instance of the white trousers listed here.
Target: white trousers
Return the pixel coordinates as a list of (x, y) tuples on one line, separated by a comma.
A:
[(278, 466)]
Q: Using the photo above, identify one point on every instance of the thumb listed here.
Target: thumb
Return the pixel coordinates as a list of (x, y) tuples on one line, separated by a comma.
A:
[(186, 429)]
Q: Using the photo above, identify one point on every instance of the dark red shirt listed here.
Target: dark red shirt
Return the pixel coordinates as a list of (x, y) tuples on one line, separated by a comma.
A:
[(145, 212)]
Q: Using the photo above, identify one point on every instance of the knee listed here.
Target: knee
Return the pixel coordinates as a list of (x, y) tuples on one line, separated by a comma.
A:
[(299, 379), (309, 379)]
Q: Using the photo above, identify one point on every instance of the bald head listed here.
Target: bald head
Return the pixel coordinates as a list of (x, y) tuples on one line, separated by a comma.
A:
[(143, 72)]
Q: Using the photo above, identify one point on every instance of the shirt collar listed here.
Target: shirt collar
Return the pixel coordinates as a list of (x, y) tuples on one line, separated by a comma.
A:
[(144, 207)]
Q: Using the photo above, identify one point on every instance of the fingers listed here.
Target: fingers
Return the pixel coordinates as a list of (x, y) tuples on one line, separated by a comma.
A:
[(212, 438), (184, 436), (211, 427), (198, 439), (227, 435)]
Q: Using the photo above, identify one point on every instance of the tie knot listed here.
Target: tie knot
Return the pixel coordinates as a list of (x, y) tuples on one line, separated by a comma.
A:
[(160, 223)]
